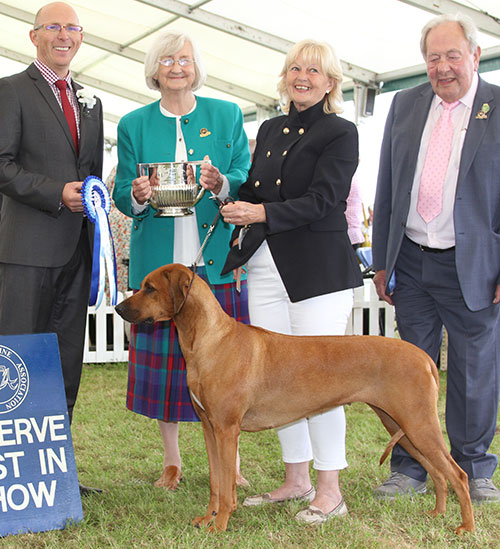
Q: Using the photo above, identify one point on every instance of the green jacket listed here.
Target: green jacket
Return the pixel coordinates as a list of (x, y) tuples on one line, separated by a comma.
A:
[(145, 135)]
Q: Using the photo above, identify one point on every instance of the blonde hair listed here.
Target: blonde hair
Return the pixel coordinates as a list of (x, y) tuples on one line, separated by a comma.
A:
[(166, 45), (319, 53)]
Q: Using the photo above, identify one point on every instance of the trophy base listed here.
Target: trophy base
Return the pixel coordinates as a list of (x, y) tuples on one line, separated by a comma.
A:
[(173, 211)]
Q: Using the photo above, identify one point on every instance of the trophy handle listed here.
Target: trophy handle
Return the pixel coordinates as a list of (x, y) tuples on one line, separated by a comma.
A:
[(199, 196), (201, 192), (142, 168)]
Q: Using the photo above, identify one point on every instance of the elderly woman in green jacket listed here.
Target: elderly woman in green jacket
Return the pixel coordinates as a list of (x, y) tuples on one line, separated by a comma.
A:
[(180, 126)]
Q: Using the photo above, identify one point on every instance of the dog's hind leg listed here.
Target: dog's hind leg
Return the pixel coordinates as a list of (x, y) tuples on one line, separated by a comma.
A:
[(430, 444), (427, 445), (437, 476)]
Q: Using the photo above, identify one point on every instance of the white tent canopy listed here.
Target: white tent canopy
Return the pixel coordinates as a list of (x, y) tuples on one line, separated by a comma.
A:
[(243, 43)]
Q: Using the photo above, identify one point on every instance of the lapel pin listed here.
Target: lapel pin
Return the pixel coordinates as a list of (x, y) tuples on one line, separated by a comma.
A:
[(204, 132), (483, 113)]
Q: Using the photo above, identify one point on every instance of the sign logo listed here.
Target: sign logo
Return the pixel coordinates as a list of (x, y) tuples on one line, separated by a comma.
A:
[(14, 380)]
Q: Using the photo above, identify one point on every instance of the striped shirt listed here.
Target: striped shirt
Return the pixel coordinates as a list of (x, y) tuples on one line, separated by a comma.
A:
[(51, 78)]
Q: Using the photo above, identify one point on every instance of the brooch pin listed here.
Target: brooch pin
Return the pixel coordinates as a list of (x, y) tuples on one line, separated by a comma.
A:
[(204, 132), (86, 98), (483, 113)]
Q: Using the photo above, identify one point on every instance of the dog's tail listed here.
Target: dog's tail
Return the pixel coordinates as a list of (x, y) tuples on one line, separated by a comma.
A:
[(396, 437)]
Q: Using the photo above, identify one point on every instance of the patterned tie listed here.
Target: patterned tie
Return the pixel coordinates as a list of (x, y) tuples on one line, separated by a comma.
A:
[(430, 193), (68, 111)]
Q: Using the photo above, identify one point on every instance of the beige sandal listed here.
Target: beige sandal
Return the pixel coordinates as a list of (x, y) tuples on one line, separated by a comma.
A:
[(252, 501), (313, 515)]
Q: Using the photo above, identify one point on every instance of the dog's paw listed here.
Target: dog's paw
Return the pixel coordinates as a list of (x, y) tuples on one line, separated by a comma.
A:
[(204, 520)]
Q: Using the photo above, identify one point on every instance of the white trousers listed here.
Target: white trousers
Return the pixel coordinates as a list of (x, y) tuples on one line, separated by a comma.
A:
[(321, 437)]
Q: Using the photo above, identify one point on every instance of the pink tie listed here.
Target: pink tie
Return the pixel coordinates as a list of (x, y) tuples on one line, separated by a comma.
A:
[(430, 193), (69, 113)]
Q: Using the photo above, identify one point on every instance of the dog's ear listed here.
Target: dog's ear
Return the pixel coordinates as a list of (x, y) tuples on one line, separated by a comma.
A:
[(178, 285)]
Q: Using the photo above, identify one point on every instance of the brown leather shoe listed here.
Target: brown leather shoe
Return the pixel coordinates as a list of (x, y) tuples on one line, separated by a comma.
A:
[(170, 478), (241, 481), (87, 491)]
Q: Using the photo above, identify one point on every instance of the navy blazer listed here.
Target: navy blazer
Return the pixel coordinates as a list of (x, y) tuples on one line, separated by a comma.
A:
[(477, 201), (301, 171), (37, 158)]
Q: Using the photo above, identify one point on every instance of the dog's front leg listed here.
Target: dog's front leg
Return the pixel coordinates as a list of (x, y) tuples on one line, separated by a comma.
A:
[(226, 440), (213, 466)]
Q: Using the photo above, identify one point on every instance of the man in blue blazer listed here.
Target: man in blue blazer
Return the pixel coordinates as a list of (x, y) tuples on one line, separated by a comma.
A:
[(447, 265), (45, 240)]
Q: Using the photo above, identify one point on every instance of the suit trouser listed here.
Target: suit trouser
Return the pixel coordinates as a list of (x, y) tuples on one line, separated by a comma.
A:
[(321, 437), (428, 296), (43, 300)]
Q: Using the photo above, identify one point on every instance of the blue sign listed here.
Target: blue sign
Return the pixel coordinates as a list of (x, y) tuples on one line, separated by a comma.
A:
[(38, 481)]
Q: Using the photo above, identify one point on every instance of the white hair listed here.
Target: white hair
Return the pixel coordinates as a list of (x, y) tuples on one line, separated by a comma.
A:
[(165, 45), (468, 26)]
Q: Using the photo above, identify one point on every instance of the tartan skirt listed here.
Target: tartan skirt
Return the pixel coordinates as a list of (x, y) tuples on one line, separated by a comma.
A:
[(157, 385)]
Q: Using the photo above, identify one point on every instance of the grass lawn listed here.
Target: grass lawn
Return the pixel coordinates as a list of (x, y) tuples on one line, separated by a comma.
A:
[(121, 452)]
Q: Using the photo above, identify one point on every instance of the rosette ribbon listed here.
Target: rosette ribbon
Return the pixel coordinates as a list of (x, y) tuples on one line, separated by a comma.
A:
[(97, 205)]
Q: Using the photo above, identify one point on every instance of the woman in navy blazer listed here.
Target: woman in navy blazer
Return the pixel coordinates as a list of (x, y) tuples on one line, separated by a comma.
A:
[(291, 233)]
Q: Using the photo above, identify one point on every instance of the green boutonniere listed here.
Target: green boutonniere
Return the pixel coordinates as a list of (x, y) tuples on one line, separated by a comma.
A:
[(483, 113)]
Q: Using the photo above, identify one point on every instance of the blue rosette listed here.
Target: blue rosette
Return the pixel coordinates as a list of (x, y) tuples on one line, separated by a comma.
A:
[(97, 205)]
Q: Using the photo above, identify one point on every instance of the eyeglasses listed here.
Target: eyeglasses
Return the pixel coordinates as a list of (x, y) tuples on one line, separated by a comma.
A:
[(170, 62), (56, 27)]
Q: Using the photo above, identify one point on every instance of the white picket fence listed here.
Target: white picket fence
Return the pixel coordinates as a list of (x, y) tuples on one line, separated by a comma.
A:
[(106, 341), (370, 315), (105, 335)]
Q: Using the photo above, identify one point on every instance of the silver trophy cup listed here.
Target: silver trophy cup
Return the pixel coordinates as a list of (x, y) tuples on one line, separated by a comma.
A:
[(174, 185)]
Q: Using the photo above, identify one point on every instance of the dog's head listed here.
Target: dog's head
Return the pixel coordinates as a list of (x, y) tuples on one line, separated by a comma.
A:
[(161, 295)]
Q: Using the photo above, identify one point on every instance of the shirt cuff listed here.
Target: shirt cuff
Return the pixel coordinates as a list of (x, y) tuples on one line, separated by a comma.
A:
[(137, 208), (224, 191)]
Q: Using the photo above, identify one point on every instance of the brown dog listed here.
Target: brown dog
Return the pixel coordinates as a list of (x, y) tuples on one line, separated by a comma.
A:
[(244, 377)]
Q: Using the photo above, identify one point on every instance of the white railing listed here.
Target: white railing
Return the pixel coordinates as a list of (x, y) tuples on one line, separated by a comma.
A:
[(105, 339), (370, 315)]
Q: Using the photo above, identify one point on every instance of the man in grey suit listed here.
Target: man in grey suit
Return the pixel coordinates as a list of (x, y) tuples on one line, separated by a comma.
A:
[(45, 240), (447, 263)]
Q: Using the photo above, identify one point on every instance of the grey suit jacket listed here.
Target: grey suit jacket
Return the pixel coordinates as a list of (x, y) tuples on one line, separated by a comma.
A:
[(477, 201), (37, 158)]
